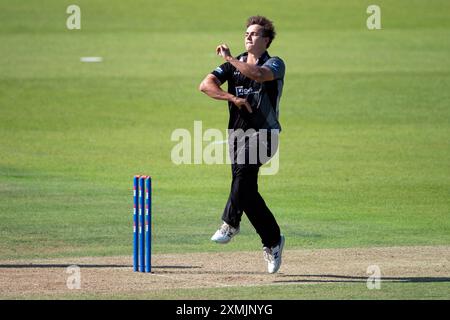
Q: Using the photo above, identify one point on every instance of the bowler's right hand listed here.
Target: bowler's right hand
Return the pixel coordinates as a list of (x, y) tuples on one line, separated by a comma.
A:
[(240, 102)]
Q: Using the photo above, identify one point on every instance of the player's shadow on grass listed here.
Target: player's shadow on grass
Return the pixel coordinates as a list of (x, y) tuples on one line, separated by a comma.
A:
[(329, 278), (81, 265)]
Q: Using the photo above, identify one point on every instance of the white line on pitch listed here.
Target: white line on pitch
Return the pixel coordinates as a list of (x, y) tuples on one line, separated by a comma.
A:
[(91, 59)]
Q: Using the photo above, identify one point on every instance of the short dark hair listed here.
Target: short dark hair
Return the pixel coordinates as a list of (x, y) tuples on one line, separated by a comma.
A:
[(269, 29)]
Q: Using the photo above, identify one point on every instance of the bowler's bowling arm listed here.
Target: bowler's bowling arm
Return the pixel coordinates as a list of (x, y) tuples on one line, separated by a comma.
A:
[(211, 87)]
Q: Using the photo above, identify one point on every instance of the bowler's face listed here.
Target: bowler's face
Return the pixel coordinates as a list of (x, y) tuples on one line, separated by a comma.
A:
[(254, 41)]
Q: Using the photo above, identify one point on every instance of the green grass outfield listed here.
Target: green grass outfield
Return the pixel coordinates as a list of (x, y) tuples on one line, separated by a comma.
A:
[(339, 291), (364, 153)]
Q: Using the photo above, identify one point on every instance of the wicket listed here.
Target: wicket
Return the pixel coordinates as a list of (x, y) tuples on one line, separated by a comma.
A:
[(142, 223)]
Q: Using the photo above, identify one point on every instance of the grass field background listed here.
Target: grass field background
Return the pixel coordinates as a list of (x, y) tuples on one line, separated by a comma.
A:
[(364, 153), (415, 291)]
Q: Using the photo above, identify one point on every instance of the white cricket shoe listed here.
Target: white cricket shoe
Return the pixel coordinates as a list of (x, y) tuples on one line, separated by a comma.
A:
[(273, 256), (225, 233)]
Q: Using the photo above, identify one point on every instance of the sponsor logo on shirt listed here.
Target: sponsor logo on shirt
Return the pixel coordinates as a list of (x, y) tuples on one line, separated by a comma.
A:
[(241, 91), (219, 70)]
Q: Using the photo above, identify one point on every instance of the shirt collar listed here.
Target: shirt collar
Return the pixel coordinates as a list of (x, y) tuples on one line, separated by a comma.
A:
[(263, 58)]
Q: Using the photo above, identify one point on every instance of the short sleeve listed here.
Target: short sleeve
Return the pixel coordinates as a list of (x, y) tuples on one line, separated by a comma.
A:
[(277, 66), (223, 72)]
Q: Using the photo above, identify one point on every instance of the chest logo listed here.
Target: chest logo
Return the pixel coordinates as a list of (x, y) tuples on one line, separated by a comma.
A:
[(241, 91)]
